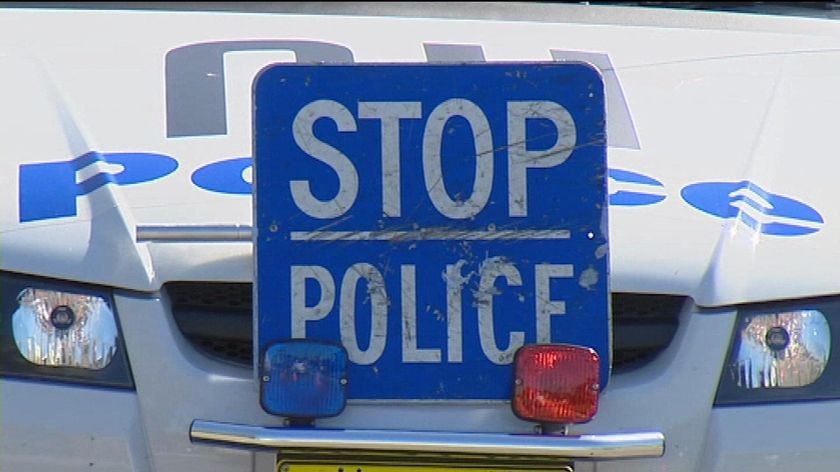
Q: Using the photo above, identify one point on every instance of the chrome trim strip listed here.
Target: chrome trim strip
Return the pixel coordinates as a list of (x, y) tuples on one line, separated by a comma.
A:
[(591, 446), (194, 233)]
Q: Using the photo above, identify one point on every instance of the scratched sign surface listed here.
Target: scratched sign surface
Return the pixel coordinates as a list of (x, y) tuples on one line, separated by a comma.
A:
[(431, 219)]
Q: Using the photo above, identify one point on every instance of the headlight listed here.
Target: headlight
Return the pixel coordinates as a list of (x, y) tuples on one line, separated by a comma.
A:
[(60, 331), (782, 353)]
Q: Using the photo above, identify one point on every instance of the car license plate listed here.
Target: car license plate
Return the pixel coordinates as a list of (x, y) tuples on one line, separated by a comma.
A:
[(349, 467), (431, 219)]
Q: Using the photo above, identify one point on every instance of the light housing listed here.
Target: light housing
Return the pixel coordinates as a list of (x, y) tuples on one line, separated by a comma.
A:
[(782, 352), (303, 379), (556, 383), (60, 331)]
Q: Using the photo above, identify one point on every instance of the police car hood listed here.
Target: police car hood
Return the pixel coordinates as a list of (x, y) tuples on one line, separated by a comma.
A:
[(722, 132)]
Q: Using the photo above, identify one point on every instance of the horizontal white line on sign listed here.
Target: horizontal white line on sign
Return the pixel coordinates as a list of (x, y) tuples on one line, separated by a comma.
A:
[(430, 235)]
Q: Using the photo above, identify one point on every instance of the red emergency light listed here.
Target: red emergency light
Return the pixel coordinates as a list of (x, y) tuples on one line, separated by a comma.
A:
[(556, 383)]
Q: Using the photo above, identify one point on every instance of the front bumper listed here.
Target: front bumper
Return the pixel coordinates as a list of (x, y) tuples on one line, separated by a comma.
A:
[(530, 447), (47, 425)]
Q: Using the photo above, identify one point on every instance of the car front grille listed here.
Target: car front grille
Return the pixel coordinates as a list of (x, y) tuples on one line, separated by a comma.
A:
[(216, 318), (643, 326)]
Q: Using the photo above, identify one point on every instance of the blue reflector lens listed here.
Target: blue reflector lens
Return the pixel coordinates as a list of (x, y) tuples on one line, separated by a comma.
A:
[(303, 379)]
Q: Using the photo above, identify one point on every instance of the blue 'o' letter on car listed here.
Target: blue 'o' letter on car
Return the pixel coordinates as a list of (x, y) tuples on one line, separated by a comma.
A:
[(225, 176), (764, 212), (642, 189), (60, 200)]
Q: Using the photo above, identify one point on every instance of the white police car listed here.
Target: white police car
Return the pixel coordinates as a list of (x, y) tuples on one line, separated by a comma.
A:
[(484, 237)]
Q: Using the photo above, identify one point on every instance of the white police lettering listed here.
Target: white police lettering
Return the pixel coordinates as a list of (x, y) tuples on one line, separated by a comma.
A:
[(390, 114), (348, 178), (489, 271), (455, 277), (546, 307), (410, 351), (454, 286), (432, 166), (302, 313), (520, 159), (378, 311)]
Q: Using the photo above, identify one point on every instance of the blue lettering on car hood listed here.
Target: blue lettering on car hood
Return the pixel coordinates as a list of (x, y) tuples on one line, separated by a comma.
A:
[(764, 212), (648, 191), (60, 201)]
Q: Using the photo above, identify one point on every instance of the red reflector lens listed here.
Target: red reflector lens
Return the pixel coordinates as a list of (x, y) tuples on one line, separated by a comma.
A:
[(556, 383)]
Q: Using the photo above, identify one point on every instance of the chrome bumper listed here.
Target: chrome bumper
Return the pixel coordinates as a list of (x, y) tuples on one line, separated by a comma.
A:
[(592, 447)]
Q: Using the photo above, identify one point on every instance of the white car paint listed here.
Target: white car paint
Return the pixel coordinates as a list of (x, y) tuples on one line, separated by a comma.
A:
[(713, 98), (708, 105)]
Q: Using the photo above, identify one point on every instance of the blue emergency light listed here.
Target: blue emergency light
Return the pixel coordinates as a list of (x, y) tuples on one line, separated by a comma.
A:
[(304, 379)]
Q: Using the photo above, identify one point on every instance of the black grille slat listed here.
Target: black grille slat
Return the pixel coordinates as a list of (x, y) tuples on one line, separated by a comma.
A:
[(223, 296), (214, 325), (239, 352), (216, 317), (643, 325)]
